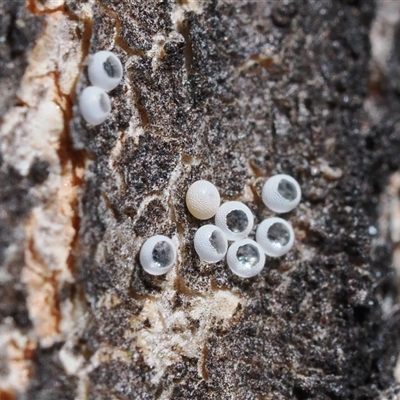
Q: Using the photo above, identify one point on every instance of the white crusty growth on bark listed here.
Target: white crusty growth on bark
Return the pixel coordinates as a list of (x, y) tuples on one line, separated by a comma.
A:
[(36, 129)]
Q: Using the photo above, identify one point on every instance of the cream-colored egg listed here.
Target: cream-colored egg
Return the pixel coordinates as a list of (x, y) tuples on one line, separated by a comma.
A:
[(202, 199)]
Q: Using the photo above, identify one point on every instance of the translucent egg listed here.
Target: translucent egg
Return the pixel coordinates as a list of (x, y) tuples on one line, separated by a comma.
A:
[(157, 255), (281, 193), (234, 219), (202, 199), (210, 243), (105, 70), (245, 258), (275, 236), (94, 105)]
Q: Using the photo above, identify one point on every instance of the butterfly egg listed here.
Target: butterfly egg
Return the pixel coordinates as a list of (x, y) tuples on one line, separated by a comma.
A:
[(245, 258), (275, 236), (105, 70), (234, 219), (281, 193), (210, 243), (94, 105), (157, 255), (202, 199)]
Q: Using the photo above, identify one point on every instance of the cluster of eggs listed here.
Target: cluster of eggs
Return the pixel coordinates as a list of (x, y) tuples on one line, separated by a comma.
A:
[(233, 219), (105, 73), (233, 223)]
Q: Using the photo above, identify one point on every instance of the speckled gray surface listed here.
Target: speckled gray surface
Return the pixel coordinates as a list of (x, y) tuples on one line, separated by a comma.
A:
[(233, 93), (237, 100)]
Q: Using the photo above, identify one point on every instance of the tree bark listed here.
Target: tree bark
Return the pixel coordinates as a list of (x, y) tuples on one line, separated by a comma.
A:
[(228, 91)]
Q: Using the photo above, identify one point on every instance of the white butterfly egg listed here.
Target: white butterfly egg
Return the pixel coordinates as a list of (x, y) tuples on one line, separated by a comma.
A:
[(105, 70), (281, 193), (210, 243), (202, 199), (245, 258), (275, 236), (94, 105), (234, 219), (157, 255)]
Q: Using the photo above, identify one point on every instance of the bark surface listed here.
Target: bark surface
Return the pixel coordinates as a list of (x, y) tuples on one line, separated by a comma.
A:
[(231, 92)]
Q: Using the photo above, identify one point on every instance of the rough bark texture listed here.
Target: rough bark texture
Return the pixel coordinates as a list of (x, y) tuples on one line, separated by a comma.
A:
[(232, 92)]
